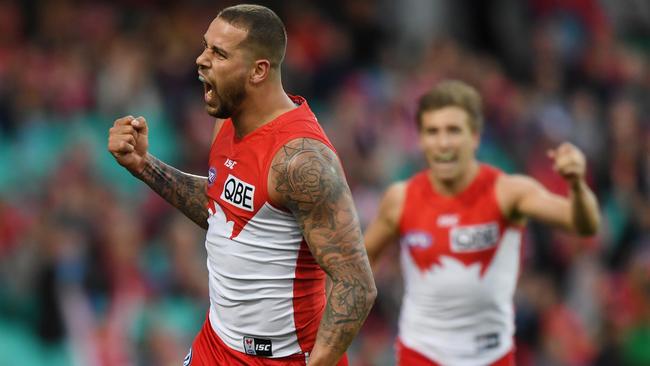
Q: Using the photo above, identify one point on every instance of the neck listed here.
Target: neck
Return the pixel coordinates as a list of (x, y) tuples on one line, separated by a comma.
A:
[(261, 107), (455, 186)]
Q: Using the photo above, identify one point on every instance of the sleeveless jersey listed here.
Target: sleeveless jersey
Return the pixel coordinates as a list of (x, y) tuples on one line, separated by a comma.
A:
[(267, 293), (460, 263)]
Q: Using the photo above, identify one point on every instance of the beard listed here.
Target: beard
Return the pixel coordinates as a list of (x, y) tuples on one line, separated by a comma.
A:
[(229, 101)]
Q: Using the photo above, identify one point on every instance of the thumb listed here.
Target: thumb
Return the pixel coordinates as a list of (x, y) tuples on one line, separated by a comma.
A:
[(140, 125)]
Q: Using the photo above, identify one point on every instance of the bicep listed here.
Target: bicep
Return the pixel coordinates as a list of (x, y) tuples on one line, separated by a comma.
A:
[(383, 230), (536, 202), (306, 177)]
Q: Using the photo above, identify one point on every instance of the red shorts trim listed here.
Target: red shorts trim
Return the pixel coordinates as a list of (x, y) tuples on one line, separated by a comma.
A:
[(209, 350), (409, 357)]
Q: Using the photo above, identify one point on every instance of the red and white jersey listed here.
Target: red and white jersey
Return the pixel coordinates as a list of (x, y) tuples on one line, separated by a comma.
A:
[(460, 263), (267, 293)]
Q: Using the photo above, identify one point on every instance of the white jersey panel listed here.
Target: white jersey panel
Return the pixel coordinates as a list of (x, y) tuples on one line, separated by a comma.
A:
[(456, 316), (252, 277)]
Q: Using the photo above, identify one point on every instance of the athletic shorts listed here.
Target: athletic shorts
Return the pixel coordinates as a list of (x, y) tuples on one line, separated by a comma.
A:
[(409, 357), (209, 350)]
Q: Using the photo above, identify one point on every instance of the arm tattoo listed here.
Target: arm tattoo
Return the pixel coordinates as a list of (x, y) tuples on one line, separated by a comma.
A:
[(184, 191), (310, 181)]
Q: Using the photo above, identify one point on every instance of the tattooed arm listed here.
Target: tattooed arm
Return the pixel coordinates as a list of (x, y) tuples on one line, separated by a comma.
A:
[(306, 177), (128, 142), (184, 191)]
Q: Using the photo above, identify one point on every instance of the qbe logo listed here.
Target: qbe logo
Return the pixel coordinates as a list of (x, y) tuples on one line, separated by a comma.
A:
[(238, 193), (473, 238)]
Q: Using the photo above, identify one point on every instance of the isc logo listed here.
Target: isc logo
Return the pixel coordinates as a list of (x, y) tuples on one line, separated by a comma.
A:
[(258, 346), (238, 193)]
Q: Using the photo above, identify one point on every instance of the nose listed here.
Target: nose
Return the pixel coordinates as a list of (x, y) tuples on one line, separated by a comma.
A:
[(203, 62), (443, 140)]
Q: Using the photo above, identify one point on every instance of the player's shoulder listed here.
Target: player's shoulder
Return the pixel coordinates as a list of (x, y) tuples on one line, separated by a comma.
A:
[(514, 186), (304, 169), (304, 147), (396, 192), (516, 181), (392, 203)]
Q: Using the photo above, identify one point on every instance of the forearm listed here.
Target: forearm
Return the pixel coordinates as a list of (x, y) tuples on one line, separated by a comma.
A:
[(584, 209), (184, 191), (348, 304)]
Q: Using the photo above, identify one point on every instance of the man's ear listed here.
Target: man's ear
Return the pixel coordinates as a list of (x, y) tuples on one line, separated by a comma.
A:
[(260, 71)]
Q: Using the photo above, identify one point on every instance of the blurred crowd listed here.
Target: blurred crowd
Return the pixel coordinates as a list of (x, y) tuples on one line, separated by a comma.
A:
[(96, 270)]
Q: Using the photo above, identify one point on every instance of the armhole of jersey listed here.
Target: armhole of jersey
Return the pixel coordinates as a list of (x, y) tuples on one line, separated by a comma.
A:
[(506, 220), (407, 192), (495, 196), (266, 168)]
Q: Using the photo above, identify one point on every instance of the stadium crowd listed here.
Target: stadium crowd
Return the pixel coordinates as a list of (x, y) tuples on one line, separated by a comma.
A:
[(96, 269)]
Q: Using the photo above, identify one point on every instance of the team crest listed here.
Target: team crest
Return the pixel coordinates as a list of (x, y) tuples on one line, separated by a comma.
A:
[(212, 175), (418, 239)]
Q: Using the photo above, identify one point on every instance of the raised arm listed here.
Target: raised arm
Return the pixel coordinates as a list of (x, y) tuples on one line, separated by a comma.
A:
[(306, 177), (578, 213), (184, 191), (384, 229), (128, 142)]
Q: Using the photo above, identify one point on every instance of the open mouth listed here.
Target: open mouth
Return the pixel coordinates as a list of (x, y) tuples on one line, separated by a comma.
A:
[(445, 158), (208, 89)]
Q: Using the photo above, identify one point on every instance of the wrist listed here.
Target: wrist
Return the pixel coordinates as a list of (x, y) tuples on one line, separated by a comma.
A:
[(139, 170), (578, 184), (321, 356)]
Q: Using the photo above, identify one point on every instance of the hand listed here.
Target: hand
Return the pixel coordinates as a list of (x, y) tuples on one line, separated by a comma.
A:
[(128, 142), (569, 162)]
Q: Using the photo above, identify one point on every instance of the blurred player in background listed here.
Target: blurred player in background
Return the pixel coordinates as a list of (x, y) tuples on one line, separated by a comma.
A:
[(276, 205), (459, 224)]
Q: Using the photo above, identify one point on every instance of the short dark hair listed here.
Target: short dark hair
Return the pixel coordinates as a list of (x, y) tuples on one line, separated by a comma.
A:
[(453, 93), (266, 36)]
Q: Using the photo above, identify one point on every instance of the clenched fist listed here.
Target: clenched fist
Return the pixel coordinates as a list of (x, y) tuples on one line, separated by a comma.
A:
[(569, 162), (128, 142)]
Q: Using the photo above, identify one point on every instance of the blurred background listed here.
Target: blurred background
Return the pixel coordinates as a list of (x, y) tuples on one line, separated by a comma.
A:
[(95, 269)]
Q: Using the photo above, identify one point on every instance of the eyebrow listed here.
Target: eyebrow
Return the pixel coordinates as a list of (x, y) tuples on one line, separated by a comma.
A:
[(215, 48)]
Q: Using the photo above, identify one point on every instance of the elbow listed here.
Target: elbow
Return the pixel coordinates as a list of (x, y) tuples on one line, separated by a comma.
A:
[(372, 293), (371, 296), (587, 232), (589, 229)]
